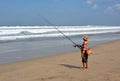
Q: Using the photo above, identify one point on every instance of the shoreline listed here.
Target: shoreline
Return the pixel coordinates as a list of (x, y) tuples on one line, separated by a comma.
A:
[(103, 66), (22, 50)]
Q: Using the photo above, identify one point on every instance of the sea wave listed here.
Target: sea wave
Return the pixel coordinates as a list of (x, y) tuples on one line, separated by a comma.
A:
[(23, 32)]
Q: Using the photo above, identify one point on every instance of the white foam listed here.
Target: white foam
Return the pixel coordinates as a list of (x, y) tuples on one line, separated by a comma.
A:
[(23, 32)]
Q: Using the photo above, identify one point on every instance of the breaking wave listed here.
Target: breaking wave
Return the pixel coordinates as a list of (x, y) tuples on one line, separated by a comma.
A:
[(24, 32)]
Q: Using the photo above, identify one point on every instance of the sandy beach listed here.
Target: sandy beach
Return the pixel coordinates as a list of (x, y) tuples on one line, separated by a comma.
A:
[(104, 65)]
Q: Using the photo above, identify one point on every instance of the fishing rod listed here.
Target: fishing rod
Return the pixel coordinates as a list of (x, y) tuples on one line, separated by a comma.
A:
[(57, 29)]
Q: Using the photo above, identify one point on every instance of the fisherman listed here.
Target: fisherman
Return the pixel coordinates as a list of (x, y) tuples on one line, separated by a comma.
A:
[(84, 48)]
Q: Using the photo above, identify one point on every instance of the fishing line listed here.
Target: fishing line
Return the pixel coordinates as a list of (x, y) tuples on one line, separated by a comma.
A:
[(57, 29)]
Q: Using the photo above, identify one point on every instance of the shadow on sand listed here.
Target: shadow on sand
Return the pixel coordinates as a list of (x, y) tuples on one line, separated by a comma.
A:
[(70, 66)]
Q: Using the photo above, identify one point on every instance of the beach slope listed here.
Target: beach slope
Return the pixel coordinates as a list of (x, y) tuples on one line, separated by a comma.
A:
[(104, 65)]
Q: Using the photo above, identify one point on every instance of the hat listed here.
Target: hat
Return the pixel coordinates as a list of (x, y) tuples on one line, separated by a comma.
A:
[(85, 37)]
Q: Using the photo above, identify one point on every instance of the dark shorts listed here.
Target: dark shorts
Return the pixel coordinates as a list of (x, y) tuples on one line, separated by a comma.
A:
[(85, 58)]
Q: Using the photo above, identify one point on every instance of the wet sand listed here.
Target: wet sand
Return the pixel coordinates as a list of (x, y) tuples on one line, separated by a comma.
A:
[(104, 65)]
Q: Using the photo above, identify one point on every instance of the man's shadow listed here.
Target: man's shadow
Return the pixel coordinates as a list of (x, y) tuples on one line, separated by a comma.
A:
[(70, 66)]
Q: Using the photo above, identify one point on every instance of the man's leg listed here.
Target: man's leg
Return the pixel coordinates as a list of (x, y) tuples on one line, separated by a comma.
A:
[(86, 63)]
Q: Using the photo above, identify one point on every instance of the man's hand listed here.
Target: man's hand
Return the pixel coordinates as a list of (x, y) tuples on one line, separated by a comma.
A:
[(82, 55), (75, 45)]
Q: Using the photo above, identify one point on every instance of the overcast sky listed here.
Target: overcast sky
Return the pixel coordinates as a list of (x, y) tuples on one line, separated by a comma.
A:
[(60, 12)]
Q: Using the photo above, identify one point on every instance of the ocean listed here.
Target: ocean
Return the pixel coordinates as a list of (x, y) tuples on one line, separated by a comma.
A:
[(19, 43)]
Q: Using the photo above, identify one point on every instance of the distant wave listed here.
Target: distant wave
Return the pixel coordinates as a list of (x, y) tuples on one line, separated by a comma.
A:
[(23, 32)]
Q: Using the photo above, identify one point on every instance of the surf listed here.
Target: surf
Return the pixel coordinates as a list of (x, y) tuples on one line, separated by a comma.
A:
[(25, 32)]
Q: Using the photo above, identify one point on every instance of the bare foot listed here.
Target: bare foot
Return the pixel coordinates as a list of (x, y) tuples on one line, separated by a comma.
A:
[(86, 67), (83, 68)]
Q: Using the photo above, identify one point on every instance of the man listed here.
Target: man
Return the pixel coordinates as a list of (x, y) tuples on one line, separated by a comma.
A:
[(84, 48)]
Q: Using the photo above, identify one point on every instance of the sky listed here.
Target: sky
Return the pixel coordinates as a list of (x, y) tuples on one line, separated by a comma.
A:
[(60, 12)]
